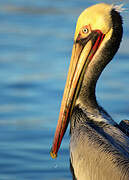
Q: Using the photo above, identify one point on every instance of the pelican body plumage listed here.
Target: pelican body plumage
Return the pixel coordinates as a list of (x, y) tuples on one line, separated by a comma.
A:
[(99, 147)]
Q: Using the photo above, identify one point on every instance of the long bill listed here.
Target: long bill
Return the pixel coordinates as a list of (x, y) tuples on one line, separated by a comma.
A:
[(82, 53)]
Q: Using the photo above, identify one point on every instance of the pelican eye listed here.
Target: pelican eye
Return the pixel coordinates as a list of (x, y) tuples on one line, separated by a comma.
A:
[(85, 30)]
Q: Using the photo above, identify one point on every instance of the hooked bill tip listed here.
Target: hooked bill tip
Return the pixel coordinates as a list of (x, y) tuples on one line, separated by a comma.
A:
[(53, 155)]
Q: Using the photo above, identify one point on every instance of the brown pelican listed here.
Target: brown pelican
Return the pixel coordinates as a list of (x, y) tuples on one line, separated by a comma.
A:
[(99, 147)]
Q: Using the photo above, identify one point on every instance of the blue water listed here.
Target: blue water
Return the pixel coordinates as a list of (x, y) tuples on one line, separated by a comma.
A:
[(36, 40)]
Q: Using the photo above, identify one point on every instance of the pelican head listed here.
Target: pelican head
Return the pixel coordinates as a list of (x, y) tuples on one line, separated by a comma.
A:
[(97, 38)]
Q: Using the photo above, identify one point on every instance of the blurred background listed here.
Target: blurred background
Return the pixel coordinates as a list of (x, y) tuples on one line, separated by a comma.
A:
[(36, 39)]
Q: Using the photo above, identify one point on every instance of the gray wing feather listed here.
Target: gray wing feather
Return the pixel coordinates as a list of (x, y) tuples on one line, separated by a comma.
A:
[(99, 150)]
